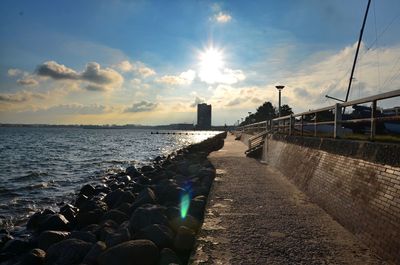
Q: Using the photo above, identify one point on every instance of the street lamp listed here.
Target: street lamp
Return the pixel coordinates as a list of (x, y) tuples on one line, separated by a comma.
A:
[(279, 89)]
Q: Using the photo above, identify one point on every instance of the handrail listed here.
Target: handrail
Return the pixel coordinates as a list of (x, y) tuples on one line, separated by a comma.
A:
[(290, 123)]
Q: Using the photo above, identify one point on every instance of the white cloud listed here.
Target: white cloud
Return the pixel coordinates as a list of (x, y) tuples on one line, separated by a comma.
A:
[(21, 96), (197, 101), (28, 81), (222, 17), (14, 72), (222, 76), (184, 78), (136, 67)]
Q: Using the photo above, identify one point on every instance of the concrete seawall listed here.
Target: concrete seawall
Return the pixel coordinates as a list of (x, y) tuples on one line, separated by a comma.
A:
[(357, 183)]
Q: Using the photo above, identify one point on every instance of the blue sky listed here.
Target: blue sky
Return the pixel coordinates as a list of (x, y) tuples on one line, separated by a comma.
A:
[(149, 62)]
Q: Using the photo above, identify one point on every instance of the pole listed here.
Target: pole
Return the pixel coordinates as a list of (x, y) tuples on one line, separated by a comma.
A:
[(279, 102), (358, 48)]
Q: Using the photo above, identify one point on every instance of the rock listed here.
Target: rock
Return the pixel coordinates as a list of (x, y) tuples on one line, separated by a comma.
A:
[(138, 252), (80, 200), (116, 216), (189, 221), (48, 238), (36, 220), (86, 218), (118, 237), (124, 178), (94, 252), (66, 252), (126, 197), (56, 222), (133, 172), (93, 205), (184, 239), (87, 190), (113, 197), (124, 207), (146, 196), (16, 246), (197, 206), (161, 235), (168, 256), (35, 257), (84, 236), (145, 216), (69, 212), (102, 188), (92, 228), (146, 168)]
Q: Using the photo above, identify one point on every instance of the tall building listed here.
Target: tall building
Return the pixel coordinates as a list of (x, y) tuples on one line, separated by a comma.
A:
[(203, 116)]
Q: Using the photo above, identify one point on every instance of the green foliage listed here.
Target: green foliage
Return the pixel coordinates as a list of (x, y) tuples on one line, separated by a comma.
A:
[(267, 112)]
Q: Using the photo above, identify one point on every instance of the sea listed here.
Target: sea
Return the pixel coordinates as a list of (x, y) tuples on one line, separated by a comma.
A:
[(43, 167)]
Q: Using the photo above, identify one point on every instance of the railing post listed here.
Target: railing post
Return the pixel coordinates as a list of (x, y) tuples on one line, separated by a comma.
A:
[(290, 124), (373, 120), (315, 125), (337, 131)]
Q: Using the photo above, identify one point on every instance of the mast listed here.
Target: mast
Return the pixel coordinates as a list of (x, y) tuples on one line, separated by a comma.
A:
[(358, 48)]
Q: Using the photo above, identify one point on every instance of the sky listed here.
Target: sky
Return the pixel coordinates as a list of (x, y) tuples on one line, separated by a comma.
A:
[(151, 62)]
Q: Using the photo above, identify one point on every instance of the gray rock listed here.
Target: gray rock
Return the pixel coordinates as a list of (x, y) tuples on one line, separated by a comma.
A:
[(146, 196), (147, 215), (112, 197), (161, 235), (15, 246), (133, 172), (116, 216), (35, 257), (48, 238), (138, 252), (84, 236), (126, 197), (56, 222), (66, 252), (36, 220), (189, 221), (94, 253), (168, 256), (86, 218), (184, 239), (118, 237), (87, 190)]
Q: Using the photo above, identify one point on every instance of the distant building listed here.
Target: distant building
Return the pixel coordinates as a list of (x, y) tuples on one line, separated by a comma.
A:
[(203, 116)]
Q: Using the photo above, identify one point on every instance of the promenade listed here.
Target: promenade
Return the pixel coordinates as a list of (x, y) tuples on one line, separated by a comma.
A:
[(256, 216)]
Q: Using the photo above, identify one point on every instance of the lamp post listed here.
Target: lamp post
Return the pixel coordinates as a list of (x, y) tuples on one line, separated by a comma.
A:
[(279, 89)]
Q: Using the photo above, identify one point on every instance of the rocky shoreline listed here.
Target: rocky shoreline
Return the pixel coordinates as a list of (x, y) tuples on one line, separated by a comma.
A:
[(140, 216)]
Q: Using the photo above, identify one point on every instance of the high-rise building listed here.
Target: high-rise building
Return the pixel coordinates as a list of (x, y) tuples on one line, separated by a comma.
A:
[(203, 116)]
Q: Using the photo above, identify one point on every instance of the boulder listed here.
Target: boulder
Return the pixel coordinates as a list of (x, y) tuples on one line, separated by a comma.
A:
[(69, 212), (86, 218), (126, 197), (92, 205), (133, 172), (116, 216), (94, 253), (113, 197), (36, 220), (118, 237), (87, 190), (146, 196), (138, 252), (56, 222), (66, 252), (48, 238), (168, 256), (147, 215), (161, 235), (16, 246), (184, 239), (84, 236), (34, 257)]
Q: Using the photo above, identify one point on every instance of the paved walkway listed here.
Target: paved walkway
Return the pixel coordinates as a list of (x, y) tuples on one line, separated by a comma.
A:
[(256, 216)]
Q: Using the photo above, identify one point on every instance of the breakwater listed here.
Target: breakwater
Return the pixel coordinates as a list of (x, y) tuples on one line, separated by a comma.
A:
[(146, 215), (357, 183)]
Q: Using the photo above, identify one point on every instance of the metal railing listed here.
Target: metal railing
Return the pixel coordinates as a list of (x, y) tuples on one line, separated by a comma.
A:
[(308, 123)]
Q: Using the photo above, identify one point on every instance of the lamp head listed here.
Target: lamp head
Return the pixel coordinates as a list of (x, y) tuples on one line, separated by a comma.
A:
[(279, 87)]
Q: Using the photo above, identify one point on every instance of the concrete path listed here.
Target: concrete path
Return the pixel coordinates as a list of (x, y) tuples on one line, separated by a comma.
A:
[(256, 216)]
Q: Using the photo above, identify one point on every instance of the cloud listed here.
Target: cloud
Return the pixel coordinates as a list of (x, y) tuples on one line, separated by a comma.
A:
[(21, 96), (56, 71), (222, 76), (27, 81), (14, 72), (197, 101), (222, 17), (136, 67), (71, 109), (142, 106), (185, 78), (100, 79)]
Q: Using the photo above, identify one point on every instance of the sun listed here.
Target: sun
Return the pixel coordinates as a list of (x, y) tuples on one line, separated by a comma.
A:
[(211, 63)]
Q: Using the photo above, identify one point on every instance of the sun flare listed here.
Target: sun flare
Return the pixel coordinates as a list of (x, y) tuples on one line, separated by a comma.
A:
[(211, 64)]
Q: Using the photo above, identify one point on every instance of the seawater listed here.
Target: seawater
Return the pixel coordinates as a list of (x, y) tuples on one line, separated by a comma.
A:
[(42, 167)]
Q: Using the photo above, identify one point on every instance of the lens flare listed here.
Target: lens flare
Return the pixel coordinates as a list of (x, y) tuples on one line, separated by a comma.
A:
[(185, 203)]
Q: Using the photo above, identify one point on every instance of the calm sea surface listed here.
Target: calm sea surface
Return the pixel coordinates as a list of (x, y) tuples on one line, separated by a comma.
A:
[(40, 167)]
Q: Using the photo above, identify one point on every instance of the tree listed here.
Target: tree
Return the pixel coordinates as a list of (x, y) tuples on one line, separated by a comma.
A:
[(285, 110), (266, 112)]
